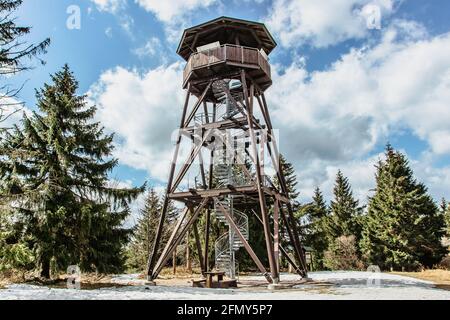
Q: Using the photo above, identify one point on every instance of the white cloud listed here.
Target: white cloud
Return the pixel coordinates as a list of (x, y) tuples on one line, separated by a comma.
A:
[(337, 116), (176, 14), (151, 48), (437, 179), (11, 111), (168, 10), (361, 175), (323, 23), (117, 8), (143, 110), (341, 113), (127, 23), (111, 6)]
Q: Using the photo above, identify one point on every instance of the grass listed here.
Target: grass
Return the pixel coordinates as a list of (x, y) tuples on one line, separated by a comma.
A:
[(440, 277)]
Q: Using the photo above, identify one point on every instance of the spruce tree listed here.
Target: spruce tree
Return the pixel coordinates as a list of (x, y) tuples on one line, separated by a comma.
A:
[(14, 255), (291, 181), (55, 176), (145, 230), (297, 208), (316, 214), (403, 227), (445, 209), (345, 211)]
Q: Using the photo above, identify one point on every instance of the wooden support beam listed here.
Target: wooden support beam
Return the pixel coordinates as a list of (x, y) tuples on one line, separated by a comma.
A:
[(208, 211), (170, 246), (202, 170), (213, 192), (194, 152), (282, 249), (262, 200), (196, 106), (288, 226), (175, 231), (295, 233), (199, 248), (159, 231), (205, 111), (276, 233)]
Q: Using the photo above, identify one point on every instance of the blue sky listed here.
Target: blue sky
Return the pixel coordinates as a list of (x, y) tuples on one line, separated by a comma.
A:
[(341, 90)]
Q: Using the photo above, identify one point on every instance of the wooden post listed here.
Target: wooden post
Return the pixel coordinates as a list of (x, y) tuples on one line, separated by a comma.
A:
[(199, 248), (188, 254), (152, 256), (276, 234), (294, 234), (262, 200), (287, 256), (208, 212), (174, 262), (171, 245)]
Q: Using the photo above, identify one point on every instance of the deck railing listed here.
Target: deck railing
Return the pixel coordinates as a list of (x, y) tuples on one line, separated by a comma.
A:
[(227, 53)]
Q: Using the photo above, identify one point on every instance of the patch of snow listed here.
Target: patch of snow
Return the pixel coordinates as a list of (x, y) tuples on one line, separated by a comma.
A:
[(342, 285)]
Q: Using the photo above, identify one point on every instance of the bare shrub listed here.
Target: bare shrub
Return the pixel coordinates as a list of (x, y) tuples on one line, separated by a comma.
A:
[(342, 255), (445, 263)]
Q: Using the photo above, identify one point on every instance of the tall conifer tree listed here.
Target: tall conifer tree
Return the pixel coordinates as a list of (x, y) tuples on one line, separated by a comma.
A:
[(145, 230), (56, 177), (345, 211), (445, 208), (316, 214), (291, 181), (403, 227)]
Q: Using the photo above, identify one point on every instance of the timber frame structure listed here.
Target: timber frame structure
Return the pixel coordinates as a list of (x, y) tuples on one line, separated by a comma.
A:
[(220, 53)]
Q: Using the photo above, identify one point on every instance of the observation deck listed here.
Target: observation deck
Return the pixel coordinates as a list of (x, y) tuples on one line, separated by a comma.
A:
[(226, 59), (221, 48)]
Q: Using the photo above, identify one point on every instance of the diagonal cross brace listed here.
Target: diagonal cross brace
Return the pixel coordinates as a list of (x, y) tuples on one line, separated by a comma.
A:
[(171, 246)]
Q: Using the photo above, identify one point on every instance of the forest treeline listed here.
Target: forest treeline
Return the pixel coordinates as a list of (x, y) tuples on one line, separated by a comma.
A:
[(58, 206), (400, 228)]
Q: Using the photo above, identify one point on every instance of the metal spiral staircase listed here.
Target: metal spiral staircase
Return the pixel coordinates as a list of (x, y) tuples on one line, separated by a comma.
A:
[(227, 244)]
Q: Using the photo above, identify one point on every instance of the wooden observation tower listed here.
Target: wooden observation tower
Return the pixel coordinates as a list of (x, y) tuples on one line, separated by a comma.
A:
[(233, 154)]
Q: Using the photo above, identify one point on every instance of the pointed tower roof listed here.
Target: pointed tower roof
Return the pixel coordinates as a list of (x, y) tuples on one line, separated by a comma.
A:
[(226, 30)]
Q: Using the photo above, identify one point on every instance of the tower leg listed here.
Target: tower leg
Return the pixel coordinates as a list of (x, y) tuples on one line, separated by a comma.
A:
[(276, 234), (152, 256), (210, 182), (262, 200), (293, 232), (199, 248)]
